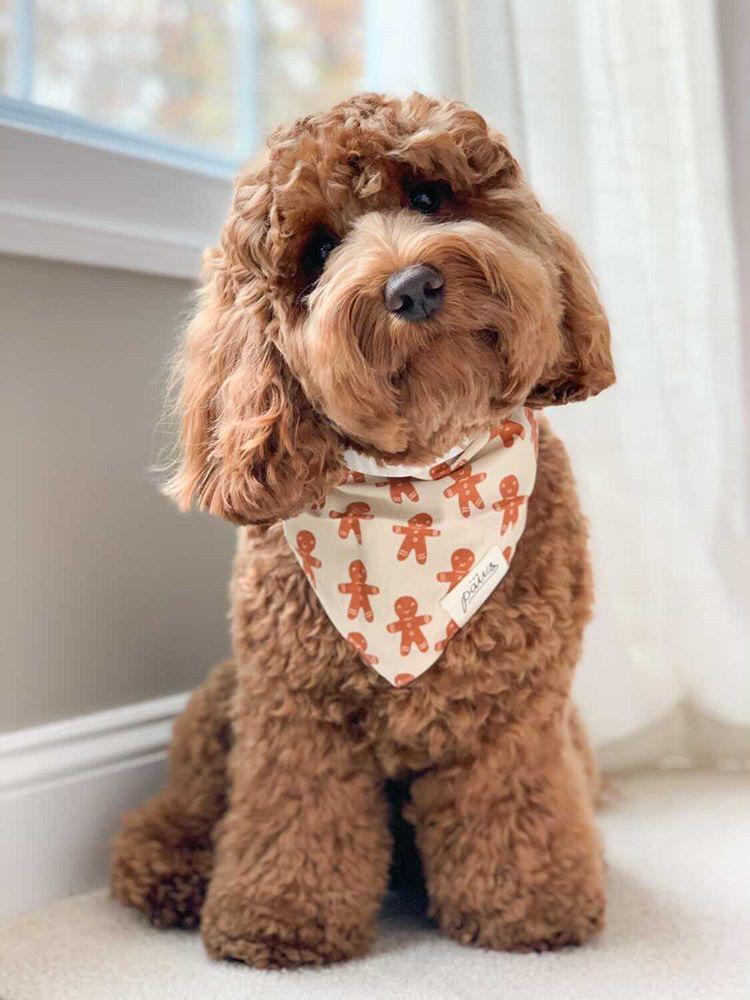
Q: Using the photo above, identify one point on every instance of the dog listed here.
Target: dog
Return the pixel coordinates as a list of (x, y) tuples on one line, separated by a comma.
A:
[(386, 287)]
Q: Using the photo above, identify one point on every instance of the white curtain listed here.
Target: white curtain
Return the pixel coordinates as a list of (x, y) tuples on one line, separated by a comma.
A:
[(615, 109)]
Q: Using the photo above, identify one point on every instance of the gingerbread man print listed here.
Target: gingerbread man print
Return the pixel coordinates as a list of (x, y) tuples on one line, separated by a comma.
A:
[(438, 471), (409, 624), (359, 591), (350, 518), (507, 431), (464, 488), (449, 633), (461, 562), (306, 543), (510, 504), (351, 477), (401, 680), (416, 532), (401, 487), (359, 644)]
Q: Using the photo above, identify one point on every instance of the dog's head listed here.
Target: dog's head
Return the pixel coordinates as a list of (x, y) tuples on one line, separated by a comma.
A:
[(386, 280)]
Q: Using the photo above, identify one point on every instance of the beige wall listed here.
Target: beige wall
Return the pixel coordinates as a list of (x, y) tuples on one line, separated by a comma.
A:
[(107, 594)]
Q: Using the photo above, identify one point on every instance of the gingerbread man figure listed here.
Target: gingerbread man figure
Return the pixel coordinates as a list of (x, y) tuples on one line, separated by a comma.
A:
[(416, 532), (438, 471), (350, 518), (359, 591), (401, 680), (461, 562), (507, 431), (510, 504), (449, 633), (409, 624), (465, 489), (359, 644), (401, 487), (306, 543), (351, 477)]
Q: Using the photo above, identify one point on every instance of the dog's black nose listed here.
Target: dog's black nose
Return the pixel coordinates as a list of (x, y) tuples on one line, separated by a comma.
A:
[(415, 292)]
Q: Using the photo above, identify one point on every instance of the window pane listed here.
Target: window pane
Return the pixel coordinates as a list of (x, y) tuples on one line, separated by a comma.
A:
[(158, 66), (215, 74), (311, 55)]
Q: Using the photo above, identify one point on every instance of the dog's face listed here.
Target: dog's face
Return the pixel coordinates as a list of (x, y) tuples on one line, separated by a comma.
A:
[(385, 281)]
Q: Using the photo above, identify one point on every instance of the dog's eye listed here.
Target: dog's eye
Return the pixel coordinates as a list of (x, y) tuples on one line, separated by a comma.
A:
[(317, 251), (428, 197)]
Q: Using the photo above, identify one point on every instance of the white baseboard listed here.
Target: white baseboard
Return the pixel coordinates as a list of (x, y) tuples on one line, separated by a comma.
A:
[(63, 788)]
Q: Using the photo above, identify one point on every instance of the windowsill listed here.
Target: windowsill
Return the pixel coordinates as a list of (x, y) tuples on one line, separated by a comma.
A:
[(65, 198)]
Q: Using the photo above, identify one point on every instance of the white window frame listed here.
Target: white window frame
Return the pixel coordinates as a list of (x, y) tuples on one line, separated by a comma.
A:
[(75, 191)]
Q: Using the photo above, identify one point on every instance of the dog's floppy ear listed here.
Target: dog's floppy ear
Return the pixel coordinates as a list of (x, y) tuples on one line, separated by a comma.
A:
[(583, 366), (251, 448)]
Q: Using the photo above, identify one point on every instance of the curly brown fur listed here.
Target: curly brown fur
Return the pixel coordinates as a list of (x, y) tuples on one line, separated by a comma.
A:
[(282, 370), (163, 856)]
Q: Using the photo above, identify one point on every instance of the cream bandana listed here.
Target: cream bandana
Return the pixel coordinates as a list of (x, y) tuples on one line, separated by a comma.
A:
[(402, 557)]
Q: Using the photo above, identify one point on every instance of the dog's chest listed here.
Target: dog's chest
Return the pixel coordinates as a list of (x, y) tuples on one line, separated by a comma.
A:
[(519, 648)]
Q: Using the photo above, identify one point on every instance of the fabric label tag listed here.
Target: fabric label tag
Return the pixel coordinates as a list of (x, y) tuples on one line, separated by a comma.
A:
[(471, 592)]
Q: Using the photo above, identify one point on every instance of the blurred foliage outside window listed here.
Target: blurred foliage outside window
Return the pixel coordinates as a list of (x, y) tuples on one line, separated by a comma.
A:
[(216, 75)]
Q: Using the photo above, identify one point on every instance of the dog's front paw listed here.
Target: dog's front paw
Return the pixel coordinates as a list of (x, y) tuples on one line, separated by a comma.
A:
[(523, 928), (280, 934), (160, 872)]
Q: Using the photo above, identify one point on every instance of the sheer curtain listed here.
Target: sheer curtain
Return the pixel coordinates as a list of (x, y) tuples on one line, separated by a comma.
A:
[(615, 108)]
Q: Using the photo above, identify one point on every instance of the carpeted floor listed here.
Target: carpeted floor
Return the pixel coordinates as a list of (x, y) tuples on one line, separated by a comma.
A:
[(678, 847)]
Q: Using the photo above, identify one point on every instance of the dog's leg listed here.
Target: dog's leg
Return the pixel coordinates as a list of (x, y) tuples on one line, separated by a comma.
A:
[(162, 857), (302, 853), (509, 848)]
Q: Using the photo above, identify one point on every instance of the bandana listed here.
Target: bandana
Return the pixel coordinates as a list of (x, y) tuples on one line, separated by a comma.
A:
[(402, 557)]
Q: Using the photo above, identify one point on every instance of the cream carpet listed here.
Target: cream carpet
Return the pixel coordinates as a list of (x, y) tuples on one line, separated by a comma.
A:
[(678, 847)]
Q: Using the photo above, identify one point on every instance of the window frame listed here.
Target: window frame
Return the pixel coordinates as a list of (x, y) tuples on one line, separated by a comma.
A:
[(75, 191), (119, 199), (64, 125), (20, 103)]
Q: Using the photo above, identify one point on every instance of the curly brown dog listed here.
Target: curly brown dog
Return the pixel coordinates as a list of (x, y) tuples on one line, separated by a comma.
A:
[(274, 832)]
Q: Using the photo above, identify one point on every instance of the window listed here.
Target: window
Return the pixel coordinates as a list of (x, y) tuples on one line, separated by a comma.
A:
[(158, 101), (210, 76)]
